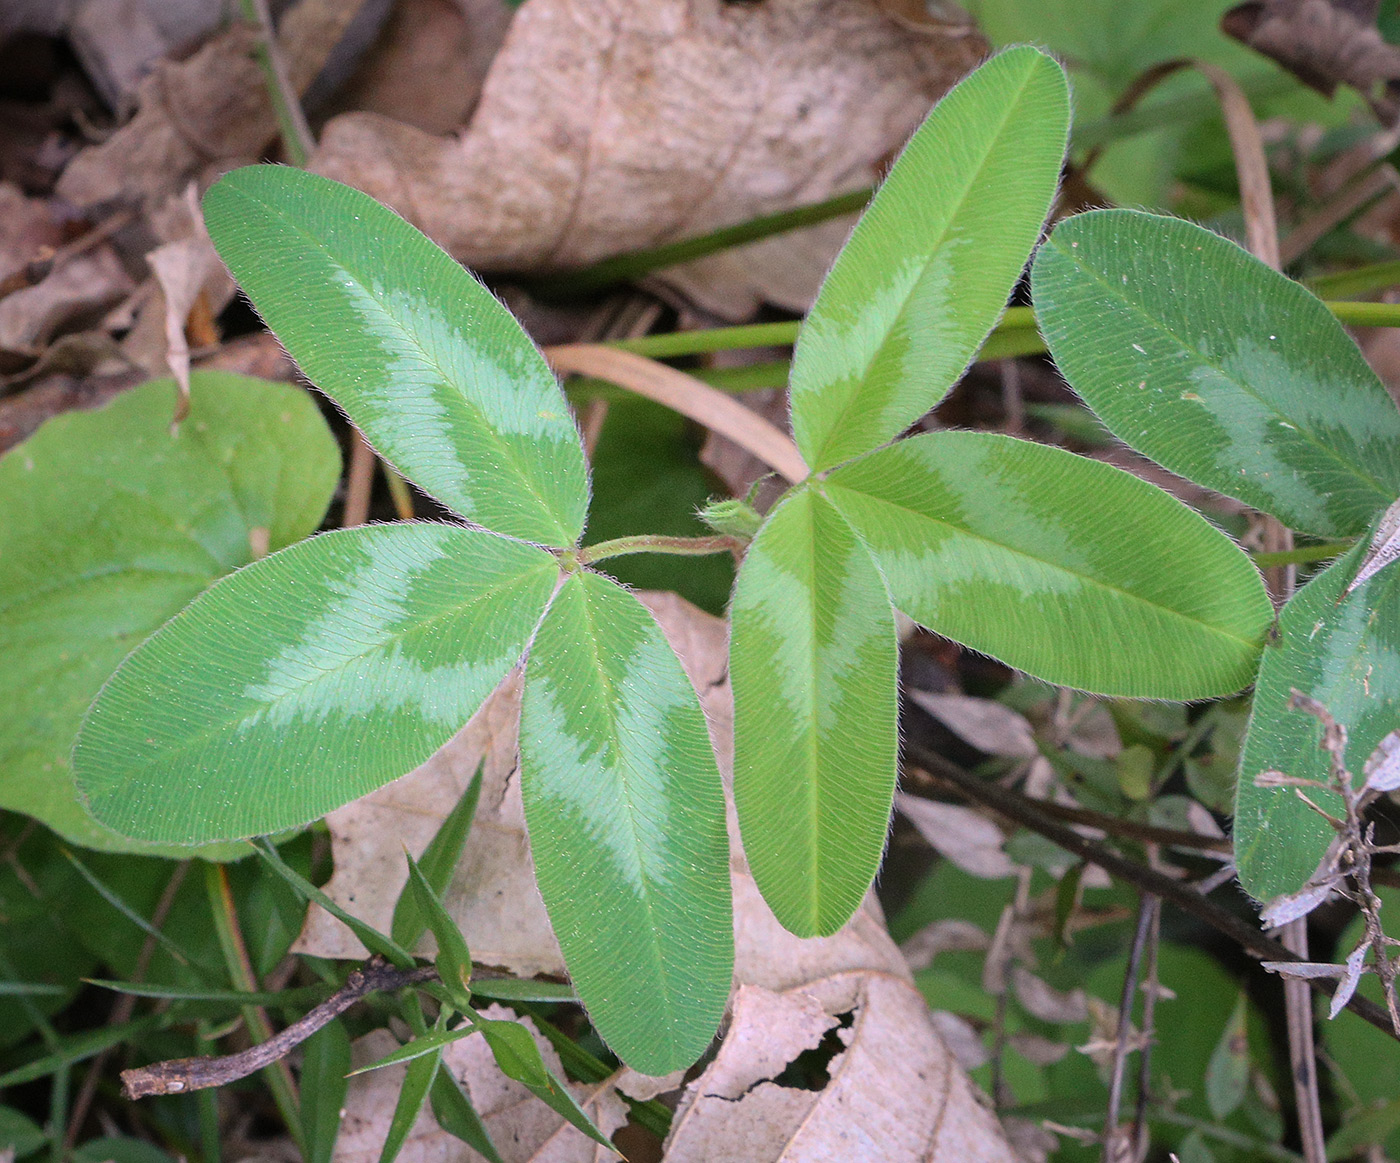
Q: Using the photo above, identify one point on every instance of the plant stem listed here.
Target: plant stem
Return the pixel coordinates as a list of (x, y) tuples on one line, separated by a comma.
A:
[(296, 133), (1303, 555), (1366, 314), (1375, 276), (676, 343), (278, 1075), (658, 543), (1017, 334), (636, 263)]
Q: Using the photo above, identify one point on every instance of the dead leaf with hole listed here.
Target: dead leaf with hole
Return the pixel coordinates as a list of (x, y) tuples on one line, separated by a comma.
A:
[(523, 1129), (895, 1091), (605, 126)]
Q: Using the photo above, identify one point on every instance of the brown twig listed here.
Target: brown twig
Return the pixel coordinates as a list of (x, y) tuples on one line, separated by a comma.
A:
[(1151, 991), (179, 1075), (1302, 1053), (1114, 1141), (1148, 833), (359, 482), (1026, 812)]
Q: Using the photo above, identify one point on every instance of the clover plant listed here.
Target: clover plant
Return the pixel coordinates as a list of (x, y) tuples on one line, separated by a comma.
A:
[(1234, 376), (327, 669)]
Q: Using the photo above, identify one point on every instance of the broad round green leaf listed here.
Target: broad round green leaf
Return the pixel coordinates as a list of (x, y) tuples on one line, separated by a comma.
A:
[(929, 268), (111, 526), (1071, 570), (1218, 368), (1344, 651), (433, 370), (813, 659), (308, 679), (626, 818)]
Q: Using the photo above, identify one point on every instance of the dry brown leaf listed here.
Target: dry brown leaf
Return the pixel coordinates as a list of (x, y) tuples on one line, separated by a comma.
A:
[(1322, 42), (1047, 1003), (523, 1129), (427, 67), (606, 125), (28, 233), (74, 294), (948, 935), (492, 896), (895, 1093), (204, 112)]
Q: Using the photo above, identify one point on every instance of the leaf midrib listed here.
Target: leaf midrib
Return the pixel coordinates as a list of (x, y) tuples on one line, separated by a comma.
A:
[(648, 905), (204, 736), (1051, 565), (1161, 328), (509, 452), (839, 424)]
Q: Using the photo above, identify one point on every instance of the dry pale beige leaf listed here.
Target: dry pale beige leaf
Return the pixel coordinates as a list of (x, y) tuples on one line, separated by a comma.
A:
[(523, 1129), (203, 113), (895, 1093), (492, 895), (989, 726), (75, 293), (1047, 1003), (962, 1038), (969, 840), (606, 125)]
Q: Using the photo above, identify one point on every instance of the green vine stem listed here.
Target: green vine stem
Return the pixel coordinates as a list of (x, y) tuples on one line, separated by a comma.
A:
[(1303, 555), (1016, 334)]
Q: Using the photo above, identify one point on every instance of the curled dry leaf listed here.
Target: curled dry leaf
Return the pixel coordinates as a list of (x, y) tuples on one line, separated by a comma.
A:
[(988, 725), (1322, 42), (606, 125), (523, 1129), (1047, 1003), (74, 294), (969, 840), (1382, 769), (1040, 1051), (949, 935), (1283, 910), (962, 1038), (1384, 548), (204, 112)]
